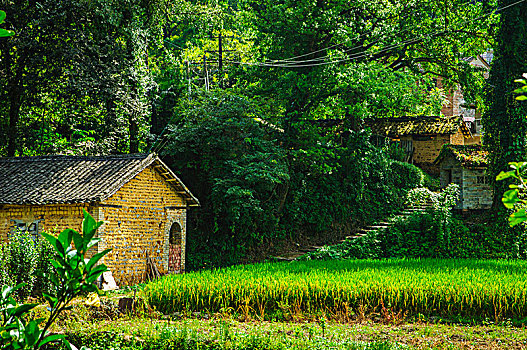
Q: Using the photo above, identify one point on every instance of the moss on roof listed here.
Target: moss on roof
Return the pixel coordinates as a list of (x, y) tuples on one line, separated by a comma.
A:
[(470, 156), (418, 126)]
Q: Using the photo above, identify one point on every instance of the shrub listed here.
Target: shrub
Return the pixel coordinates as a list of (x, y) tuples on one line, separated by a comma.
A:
[(22, 261), (431, 182), (5, 278), (43, 269), (405, 175), (25, 259)]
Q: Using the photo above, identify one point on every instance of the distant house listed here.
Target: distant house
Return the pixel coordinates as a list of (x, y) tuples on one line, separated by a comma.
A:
[(456, 103), (422, 137), (466, 166), (142, 202)]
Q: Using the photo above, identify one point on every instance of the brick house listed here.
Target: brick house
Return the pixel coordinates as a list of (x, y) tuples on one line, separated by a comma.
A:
[(456, 103), (466, 166), (142, 202), (422, 137)]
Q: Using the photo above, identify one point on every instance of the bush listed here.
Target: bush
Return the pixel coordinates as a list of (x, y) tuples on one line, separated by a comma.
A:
[(22, 262), (26, 260), (431, 182), (43, 268), (405, 175), (5, 278)]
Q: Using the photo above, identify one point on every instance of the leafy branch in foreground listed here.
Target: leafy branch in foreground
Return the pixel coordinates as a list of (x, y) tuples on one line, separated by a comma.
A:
[(511, 198), (4, 32), (74, 275)]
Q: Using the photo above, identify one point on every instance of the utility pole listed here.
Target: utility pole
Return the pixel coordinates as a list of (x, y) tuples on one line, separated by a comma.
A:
[(188, 78), (220, 53), (205, 73)]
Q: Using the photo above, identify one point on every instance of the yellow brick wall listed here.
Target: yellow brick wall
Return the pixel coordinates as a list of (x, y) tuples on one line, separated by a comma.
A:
[(428, 150), (137, 221), (457, 138), (53, 217)]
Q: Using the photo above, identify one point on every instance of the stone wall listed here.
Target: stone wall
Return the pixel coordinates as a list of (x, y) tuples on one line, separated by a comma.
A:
[(137, 221), (451, 172), (477, 193)]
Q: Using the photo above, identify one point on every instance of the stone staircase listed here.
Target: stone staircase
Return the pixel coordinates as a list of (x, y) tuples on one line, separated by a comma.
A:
[(362, 232), (382, 225)]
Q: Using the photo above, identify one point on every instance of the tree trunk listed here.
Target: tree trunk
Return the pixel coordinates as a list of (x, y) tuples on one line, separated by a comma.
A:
[(14, 116), (134, 135)]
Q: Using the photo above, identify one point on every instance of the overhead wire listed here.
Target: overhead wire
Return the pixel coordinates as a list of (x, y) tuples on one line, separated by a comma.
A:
[(292, 59), (366, 53), (358, 55)]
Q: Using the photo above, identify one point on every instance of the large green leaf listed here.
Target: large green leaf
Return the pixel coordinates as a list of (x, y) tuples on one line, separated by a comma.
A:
[(89, 226), (510, 198), (65, 238), (5, 33), (50, 338), (94, 259), (2, 16), (518, 217), (505, 175)]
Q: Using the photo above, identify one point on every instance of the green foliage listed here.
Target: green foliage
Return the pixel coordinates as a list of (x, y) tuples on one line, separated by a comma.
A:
[(72, 276), (223, 336), (5, 278), (468, 288), (405, 175), (505, 122), (424, 234), (431, 182), (43, 268), (25, 260), (23, 257), (233, 165), (4, 32), (511, 198), (77, 75)]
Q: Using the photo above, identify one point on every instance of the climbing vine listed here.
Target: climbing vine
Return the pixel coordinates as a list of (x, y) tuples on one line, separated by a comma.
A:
[(504, 122)]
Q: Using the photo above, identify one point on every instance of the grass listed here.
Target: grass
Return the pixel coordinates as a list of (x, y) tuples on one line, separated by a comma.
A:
[(218, 334), (140, 333), (470, 289)]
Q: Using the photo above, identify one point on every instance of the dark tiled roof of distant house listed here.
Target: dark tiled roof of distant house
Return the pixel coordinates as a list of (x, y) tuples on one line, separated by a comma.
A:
[(394, 127), (74, 179), (470, 156)]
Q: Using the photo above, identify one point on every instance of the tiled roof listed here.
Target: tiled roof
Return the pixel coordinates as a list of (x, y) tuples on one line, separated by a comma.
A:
[(470, 156), (418, 126), (75, 179)]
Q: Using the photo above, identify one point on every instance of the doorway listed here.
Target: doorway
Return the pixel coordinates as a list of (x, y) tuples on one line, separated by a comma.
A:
[(174, 248)]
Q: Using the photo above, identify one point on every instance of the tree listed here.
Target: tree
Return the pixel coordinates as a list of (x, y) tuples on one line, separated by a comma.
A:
[(504, 122), (76, 67)]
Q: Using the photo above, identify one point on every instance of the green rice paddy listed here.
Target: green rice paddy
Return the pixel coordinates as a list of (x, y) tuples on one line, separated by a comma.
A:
[(463, 288)]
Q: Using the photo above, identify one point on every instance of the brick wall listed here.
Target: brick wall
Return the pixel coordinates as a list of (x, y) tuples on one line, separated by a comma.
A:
[(137, 221), (457, 138), (428, 150), (53, 218)]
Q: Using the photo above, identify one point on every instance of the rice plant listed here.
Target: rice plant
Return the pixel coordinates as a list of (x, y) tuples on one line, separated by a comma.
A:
[(494, 289)]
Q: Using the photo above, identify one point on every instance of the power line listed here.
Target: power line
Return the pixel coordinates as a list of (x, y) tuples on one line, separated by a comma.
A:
[(292, 59), (364, 53)]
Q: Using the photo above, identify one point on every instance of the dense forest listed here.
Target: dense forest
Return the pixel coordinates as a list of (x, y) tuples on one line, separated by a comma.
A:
[(260, 106)]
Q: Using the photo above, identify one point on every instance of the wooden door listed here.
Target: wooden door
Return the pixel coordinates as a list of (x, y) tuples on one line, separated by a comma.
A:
[(174, 249)]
